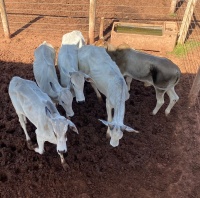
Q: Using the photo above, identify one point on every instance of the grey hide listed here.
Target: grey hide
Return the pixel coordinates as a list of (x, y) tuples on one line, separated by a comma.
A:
[(159, 72)]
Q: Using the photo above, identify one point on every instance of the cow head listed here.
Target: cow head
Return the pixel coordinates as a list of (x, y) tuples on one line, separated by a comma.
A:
[(65, 100), (105, 44), (77, 80), (60, 126), (115, 132)]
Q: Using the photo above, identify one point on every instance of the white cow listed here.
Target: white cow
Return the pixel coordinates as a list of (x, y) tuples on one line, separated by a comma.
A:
[(46, 77), (73, 38), (68, 68), (159, 72), (107, 78), (30, 102)]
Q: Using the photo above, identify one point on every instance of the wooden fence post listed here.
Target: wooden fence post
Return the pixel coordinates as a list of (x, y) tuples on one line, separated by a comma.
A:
[(92, 16), (4, 19), (173, 6), (195, 89), (101, 28), (186, 20)]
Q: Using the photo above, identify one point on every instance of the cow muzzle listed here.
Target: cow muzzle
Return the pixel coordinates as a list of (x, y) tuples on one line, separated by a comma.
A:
[(114, 142), (70, 113), (61, 147)]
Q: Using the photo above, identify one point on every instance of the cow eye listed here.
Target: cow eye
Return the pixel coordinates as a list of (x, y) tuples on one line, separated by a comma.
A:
[(111, 127), (62, 101)]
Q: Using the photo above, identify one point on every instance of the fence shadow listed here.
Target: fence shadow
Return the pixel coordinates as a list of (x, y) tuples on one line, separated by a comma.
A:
[(178, 5), (193, 25), (107, 31), (26, 26)]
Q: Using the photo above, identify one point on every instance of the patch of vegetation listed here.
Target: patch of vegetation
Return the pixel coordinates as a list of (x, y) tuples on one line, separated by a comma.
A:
[(173, 15), (181, 50)]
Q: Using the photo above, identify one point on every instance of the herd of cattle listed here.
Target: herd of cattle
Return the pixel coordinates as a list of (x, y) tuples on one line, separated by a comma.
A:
[(101, 64)]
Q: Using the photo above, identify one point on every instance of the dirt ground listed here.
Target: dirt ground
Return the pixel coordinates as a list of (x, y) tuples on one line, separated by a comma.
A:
[(162, 161)]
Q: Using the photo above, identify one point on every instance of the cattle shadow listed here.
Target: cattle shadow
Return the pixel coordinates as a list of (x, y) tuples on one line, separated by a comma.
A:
[(107, 31)]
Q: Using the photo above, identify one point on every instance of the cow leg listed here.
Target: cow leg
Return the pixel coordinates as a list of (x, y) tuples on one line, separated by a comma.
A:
[(63, 162), (109, 113), (40, 141), (160, 100), (128, 82), (23, 121), (173, 99), (96, 91)]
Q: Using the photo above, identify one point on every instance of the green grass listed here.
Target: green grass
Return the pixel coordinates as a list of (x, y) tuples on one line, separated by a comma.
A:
[(181, 50), (173, 15)]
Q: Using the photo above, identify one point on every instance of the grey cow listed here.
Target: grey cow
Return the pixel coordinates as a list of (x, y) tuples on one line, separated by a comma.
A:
[(30, 102), (159, 72)]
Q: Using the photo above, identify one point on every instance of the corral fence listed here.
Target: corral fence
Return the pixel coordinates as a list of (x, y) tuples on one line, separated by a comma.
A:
[(95, 18)]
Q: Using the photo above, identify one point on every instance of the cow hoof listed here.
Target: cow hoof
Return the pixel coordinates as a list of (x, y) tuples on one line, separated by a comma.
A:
[(166, 114), (107, 135), (100, 100), (152, 114), (65, 166), (30, 145), (69, 118)]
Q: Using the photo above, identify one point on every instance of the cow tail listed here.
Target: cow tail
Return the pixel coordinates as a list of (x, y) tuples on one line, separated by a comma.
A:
[(178, 75)]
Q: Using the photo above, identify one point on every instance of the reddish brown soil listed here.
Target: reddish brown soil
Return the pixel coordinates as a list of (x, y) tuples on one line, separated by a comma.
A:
[(162, 161)]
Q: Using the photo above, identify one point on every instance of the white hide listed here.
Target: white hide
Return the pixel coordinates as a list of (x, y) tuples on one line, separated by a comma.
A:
[(73, 38), (46, 77), (30, 102), (96, 63), (69, 74)]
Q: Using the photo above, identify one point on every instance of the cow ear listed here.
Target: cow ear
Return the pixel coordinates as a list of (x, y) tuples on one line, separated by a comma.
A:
[(104, 122), (111, 126), (128, 129), (72, 126)]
